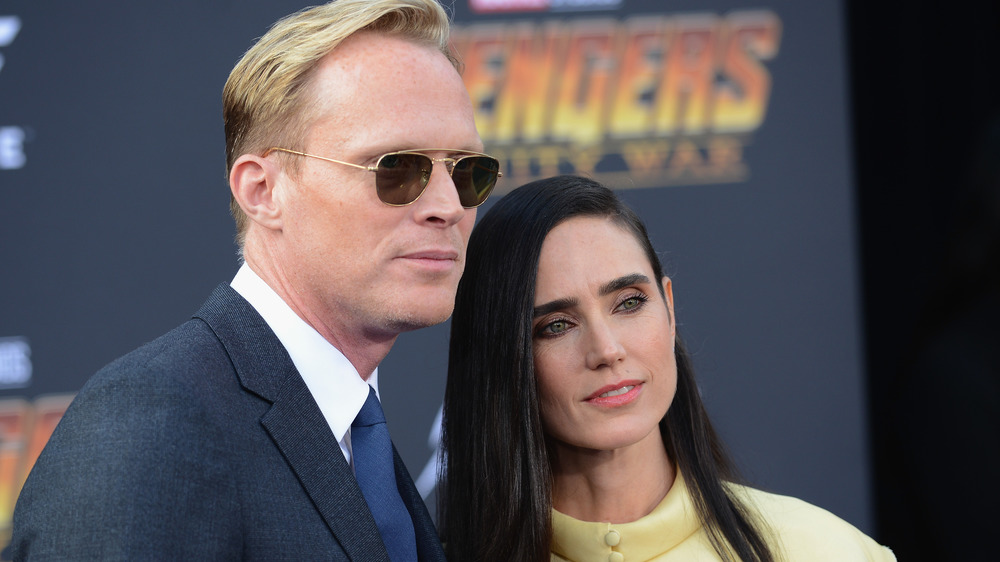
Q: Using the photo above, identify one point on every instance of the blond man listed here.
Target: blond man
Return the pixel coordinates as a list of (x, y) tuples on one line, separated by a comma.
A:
[(355, 171)]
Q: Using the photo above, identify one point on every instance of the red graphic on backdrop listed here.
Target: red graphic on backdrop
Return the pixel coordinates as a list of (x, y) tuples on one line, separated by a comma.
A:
[(25, 428)]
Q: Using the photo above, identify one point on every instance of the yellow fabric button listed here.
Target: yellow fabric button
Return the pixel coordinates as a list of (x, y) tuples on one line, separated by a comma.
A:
[(612, 538), (616, 557)]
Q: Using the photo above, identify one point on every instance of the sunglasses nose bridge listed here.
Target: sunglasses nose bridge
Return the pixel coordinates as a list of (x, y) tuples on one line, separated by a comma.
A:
[(449, 163)]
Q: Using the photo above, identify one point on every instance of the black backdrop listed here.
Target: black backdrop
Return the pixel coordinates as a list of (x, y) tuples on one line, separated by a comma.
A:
[(927, 146)]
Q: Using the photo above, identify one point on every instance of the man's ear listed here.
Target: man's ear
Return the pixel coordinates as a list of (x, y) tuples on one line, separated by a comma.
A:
[(252, 181)]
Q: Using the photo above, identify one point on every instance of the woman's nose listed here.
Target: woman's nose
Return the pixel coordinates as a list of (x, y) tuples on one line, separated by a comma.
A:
[(604, 346)]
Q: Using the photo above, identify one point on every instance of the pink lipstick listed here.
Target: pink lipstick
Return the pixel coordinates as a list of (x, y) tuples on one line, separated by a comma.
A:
[(614, 395)]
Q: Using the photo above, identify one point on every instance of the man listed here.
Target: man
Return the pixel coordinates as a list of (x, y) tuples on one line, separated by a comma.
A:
[(231, 436)]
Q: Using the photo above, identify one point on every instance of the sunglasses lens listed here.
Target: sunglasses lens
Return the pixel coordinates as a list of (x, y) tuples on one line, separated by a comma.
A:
[(401, 177), (475, 176)]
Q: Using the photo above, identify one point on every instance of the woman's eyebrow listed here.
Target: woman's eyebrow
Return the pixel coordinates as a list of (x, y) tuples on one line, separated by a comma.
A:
[(553, 306), (622, 282), (606, 289)]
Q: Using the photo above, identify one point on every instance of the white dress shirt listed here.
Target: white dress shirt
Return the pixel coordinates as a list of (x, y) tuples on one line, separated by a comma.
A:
[(332, 380)]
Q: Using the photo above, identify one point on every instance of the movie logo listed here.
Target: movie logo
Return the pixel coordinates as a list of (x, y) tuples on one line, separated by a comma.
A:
[(650, 100)]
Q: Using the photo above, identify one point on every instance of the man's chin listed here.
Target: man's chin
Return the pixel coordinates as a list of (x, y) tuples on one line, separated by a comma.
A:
[(422, 317)]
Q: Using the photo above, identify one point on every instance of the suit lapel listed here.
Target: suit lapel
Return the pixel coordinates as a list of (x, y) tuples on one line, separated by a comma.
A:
[(299, 430), (294, 422), (428, 542)]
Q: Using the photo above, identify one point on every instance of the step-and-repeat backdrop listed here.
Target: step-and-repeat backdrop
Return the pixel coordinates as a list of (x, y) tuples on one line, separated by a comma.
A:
[(723, 122)]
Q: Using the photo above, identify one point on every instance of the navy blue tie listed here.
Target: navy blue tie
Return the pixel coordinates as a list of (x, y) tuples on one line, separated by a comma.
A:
[(376, 475)]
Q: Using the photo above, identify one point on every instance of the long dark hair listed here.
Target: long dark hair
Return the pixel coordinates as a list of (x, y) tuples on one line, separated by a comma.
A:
[(496, 491)]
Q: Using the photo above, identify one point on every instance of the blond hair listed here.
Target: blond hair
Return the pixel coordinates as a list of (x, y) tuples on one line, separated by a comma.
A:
[(265, 98)]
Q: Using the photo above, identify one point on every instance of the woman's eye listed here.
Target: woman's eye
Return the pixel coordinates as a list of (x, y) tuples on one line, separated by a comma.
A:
[(632, 303), (556, 327), (553, 328)]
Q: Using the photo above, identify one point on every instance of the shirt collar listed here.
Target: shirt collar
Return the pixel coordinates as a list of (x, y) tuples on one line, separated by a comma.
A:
[(671, 523), (333, 381)]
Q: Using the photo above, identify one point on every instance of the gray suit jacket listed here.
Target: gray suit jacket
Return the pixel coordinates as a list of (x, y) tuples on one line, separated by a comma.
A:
[(204, 444)]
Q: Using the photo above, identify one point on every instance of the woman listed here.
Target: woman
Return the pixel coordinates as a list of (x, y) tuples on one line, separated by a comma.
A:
[(573, 427)]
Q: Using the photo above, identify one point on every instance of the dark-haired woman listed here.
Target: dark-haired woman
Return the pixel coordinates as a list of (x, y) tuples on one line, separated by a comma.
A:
[(573, 428)]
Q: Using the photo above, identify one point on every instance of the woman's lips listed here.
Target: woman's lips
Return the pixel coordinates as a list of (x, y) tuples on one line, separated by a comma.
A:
[(617, 394)]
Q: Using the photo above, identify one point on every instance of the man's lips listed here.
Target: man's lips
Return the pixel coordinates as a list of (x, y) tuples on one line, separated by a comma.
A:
[(431, 255), (616, 394), (436, 261)]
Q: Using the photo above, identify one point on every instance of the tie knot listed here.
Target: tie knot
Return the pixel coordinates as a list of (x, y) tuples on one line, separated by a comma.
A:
[(371, 412)]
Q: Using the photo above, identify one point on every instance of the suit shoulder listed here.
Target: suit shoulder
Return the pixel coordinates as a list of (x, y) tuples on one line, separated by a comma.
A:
[(192, 346), (170, 389), (144, 440)]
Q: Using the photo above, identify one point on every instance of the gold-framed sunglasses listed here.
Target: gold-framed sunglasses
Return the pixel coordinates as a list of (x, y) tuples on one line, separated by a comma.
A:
[(400, 177)]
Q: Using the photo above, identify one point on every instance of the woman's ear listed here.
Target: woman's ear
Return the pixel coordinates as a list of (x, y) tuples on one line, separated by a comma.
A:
[(668, 296), (253, 180)]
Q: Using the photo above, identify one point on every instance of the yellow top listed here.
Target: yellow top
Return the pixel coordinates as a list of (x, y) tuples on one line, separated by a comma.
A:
[(673, 533)]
